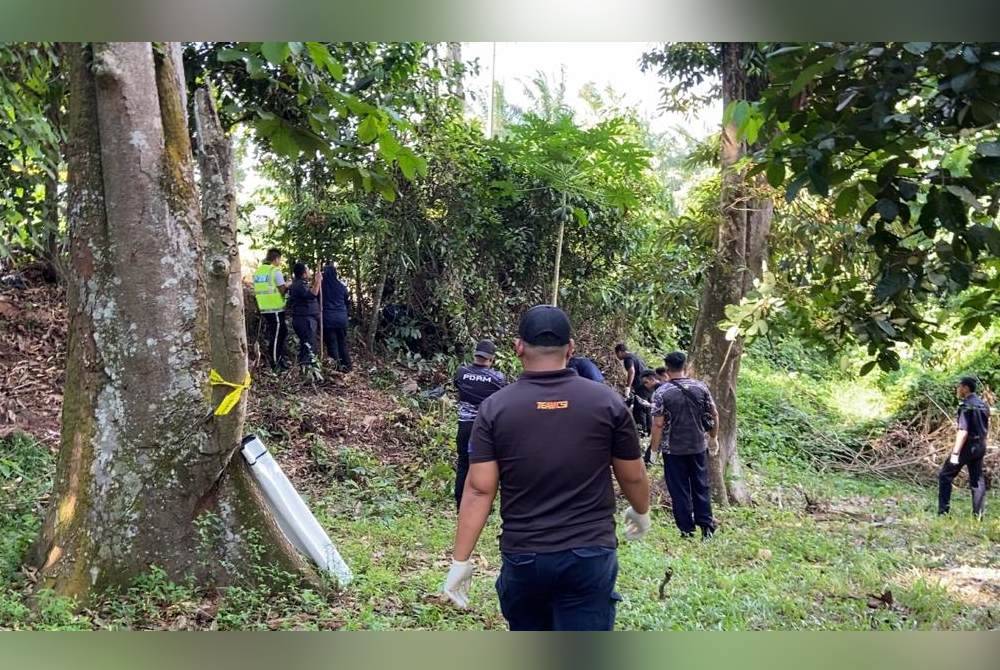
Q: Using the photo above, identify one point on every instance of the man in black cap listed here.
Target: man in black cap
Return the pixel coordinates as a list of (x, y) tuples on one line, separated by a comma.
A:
[(969, 449), (475, 383), (550, 442)]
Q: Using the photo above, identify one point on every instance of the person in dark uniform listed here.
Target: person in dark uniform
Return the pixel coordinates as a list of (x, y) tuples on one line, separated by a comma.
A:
[(634, 367), (680, 434), (303, 302), (336, 306), (550, 442), (475, 383), (586, 368), (969, 449), (650, 381)]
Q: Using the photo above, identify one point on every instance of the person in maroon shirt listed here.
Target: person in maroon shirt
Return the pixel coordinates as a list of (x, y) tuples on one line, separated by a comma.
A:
[(550, 442)]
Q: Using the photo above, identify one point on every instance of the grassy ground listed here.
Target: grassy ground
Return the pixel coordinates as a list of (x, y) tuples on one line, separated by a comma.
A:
[(819, 550)]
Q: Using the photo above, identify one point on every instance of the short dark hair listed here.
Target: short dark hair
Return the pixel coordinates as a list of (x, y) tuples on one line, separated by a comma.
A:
[(661, 370), (620, 347), (647, 373), (272, 255), (675, 360), (969, 383), (299, 269)]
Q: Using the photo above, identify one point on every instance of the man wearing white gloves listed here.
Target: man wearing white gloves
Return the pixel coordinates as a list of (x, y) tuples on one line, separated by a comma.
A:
[(552, 439)]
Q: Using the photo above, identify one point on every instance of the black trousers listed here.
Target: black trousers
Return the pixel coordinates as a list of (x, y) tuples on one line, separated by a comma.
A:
[(971, 457), (335, 340), (687, 481), (462, 463), (307, 329), (275, 342), (642, 416)]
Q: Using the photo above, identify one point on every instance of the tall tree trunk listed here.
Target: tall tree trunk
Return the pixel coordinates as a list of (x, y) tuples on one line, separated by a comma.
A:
[(146, 474), (741, 247), (559, 250)]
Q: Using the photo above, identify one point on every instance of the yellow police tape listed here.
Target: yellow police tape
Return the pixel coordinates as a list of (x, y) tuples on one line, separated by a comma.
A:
[(233, 397)]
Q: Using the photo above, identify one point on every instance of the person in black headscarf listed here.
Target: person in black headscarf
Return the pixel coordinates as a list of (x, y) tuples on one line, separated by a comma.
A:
[(336, 306)]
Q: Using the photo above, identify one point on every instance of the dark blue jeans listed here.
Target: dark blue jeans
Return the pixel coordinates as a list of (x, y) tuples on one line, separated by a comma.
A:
[(565, 590)]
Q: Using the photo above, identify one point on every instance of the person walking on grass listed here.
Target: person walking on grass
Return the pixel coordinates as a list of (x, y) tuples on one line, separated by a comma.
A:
[(475, 383), (969, 449), (684, 419), (550, 442)]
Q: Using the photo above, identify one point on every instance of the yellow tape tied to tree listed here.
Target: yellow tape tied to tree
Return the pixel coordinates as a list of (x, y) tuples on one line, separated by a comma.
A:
[(233, 397)]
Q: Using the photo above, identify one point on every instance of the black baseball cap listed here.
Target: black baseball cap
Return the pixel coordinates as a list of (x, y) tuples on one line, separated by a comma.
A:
[(486, 349), (544, 326)]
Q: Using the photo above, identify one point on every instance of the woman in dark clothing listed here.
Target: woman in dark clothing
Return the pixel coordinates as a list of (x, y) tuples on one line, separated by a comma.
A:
[(303, 302), (336, 303)]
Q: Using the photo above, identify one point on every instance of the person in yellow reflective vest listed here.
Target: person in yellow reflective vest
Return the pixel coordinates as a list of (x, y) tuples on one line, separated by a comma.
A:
[(269, 289)]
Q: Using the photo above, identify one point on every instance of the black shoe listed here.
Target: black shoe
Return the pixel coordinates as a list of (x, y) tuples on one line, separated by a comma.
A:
[(707, 533), (688, 535)]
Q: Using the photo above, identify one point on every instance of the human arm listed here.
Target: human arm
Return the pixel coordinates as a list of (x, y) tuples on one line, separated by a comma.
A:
[(477, 500), (656, 434), (630, 374), (631, 477), (279, 281), (317, 282)]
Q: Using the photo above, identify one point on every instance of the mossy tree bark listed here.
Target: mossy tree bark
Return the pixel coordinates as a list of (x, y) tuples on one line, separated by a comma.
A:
[(741, 247), (146, 474)]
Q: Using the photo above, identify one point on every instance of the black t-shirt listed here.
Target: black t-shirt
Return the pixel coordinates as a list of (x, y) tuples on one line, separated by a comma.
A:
[(974, 417), (302, 301), (632, 361), (475, 383), (553, 435)]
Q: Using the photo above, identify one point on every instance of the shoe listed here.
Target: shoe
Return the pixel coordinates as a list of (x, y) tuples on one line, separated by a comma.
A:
[(687, 535), (707, 533)]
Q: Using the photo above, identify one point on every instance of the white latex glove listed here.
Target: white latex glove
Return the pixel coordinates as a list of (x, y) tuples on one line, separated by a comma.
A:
[(636, 525), (458, 581), (954, 459)]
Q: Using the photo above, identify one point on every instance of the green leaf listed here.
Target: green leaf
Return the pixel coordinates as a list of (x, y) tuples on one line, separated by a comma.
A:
[(581, 217), (388, 146), (275, 52), (230, 55), (810, 73), (368, 129), (846, 201), (407, 161), (967, 197), (887, 209), (917, 48), (795, 186), (776, 172), (867, 367), (961, 81), (891, 284), (991, 149), (388, 191), (283, 142)]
